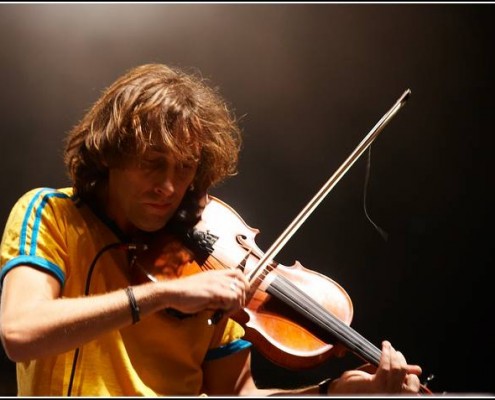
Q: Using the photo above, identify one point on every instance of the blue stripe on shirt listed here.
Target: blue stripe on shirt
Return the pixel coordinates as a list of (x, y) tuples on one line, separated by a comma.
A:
[(228, 349), (37, 221), (24, 227), (38, 262)]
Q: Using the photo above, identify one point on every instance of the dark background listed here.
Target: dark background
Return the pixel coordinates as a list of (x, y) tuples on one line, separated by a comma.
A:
[(310, 81)]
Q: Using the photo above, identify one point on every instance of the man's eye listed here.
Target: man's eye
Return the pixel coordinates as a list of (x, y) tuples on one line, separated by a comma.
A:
[(151, 164), (184, 166)]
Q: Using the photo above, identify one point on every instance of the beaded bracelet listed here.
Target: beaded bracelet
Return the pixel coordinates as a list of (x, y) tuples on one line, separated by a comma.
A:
[(133, 304)]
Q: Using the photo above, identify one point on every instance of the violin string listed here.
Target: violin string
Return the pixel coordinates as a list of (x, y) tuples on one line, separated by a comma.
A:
[(285, 290), (208, 265), (318, 314), (241, 266)]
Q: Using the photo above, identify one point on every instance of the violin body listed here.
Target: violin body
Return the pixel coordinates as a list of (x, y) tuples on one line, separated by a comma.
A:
[(221, 239), (284, 336)]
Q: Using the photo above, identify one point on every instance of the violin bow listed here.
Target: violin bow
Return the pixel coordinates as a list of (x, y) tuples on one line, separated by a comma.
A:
[(280, 242)]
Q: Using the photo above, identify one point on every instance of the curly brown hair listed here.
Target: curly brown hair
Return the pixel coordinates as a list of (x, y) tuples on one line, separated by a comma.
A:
[(160, 107)]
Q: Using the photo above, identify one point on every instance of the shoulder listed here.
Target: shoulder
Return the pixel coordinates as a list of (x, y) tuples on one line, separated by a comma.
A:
[(48, 191), (39, 201), (40, 195)]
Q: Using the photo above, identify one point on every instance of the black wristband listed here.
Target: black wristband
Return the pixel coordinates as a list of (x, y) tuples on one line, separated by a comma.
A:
[(323, 387), (133, 304)]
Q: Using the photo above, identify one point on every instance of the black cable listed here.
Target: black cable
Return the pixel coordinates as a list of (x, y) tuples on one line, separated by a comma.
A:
[(123, 246), (383, 234)]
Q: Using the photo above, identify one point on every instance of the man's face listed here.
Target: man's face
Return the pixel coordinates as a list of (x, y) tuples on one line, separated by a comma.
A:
[(146, 193)]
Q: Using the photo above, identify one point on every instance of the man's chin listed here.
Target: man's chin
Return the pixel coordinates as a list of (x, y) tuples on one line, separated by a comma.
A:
[(152, 226)]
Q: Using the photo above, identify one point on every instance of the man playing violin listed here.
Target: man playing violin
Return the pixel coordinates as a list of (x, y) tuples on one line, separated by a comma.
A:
[(141, 160)]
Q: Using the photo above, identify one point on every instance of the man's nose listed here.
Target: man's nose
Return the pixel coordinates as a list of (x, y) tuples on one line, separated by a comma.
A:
[(165, 184)]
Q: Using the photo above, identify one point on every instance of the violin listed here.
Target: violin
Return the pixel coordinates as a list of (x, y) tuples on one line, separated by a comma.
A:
[(293, 336), (294, 316)]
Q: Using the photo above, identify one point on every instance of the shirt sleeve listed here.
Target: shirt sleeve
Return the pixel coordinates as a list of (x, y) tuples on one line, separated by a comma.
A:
[(231, 341), (34, 234)]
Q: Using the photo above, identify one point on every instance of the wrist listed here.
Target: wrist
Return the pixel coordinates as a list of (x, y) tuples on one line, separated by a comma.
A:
[(134, 307), (323, 386)]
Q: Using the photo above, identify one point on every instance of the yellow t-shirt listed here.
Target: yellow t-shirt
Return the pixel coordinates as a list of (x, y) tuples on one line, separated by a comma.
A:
[(51, 230)]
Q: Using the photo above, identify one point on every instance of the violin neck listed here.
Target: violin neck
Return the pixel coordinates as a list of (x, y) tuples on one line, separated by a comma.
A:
[(285, 291)]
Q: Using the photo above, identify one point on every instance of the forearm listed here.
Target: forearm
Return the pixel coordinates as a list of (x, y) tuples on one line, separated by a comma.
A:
[(36, 321), (321, 389), (52, 326), (308, 391)]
